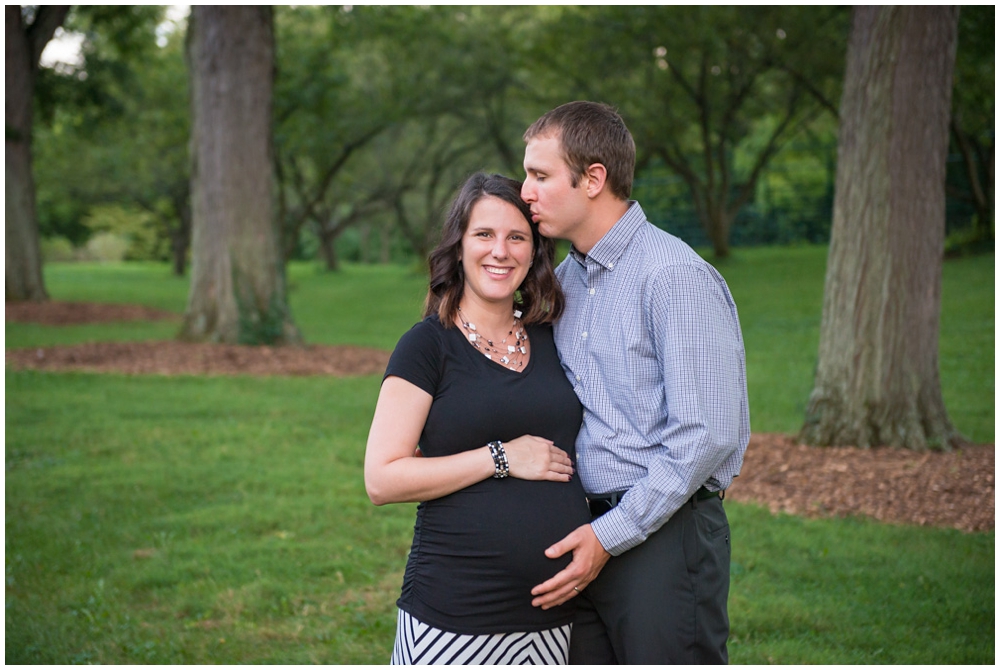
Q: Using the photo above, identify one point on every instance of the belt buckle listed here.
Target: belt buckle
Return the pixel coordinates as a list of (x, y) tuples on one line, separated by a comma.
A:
[(599, 506), (603, 505)]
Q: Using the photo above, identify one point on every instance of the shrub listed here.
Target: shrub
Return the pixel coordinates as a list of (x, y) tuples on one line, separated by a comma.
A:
[(106, 247), (57, 249), (138, 227)]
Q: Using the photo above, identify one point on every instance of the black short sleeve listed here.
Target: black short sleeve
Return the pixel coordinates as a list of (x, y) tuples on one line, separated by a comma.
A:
[(417, 357)]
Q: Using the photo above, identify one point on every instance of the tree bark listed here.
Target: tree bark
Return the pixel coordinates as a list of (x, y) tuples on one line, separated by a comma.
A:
[(24, 45), (877, 381), (238, 292)]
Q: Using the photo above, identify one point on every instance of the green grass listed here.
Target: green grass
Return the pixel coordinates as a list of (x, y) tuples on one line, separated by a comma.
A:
[(193, 520), (223, 520), (854, 591)]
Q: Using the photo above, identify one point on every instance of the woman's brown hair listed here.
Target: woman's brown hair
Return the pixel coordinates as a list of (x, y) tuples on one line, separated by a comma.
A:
[(539, 297)]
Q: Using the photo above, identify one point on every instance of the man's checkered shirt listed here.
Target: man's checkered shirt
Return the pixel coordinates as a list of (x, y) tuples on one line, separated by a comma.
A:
[(651, 342)]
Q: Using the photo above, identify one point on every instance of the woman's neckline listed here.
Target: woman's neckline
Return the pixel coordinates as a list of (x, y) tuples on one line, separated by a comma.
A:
[(491, 362)]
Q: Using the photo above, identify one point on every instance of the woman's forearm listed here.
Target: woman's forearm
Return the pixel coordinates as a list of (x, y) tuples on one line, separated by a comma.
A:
[(418, 478)]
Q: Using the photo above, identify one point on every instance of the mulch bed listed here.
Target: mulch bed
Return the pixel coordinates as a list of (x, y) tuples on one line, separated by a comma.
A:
[(186, 358), (954, 489), (63, 313)]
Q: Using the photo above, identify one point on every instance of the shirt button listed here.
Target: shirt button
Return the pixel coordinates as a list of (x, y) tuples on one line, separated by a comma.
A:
[(592, 291), (584, 336), (611, 266), (578, 378)]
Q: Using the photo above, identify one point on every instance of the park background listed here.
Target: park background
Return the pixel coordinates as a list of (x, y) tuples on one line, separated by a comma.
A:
[(204, 519)]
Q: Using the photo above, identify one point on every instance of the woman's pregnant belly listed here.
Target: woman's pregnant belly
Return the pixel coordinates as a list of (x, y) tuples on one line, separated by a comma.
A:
[(482, 549)]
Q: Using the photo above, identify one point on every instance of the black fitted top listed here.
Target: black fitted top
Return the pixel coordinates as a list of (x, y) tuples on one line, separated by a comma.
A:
[(478, 552)]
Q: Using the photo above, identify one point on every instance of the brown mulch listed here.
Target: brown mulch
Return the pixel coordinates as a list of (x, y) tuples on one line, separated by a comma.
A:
[(60, 313), (954, 489), (185, 358), (174, 358)]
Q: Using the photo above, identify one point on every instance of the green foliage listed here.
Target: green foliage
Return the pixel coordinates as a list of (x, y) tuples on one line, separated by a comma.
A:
[(96, 91), (56, 249), (380, 111), (975, 71), (106, 247), (970, 181), (130, 153), (711, 93), (135, 225)]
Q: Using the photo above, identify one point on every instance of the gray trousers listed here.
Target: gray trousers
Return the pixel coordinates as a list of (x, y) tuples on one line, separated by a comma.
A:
[(664, 601)]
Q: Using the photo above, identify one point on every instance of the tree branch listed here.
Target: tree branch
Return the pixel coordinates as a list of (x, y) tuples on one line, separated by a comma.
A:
[(812, 90)]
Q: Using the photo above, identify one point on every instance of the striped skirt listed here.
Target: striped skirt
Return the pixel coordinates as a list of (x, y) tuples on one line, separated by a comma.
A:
[(420, 644)]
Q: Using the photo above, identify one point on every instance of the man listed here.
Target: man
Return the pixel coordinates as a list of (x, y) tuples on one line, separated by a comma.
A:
[(651, 341)]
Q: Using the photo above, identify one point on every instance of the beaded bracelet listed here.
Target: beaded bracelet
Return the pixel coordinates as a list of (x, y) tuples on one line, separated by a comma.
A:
[(500, 465)]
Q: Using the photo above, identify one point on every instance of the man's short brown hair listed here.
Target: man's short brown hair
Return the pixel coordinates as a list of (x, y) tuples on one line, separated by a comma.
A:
[(591, 132)]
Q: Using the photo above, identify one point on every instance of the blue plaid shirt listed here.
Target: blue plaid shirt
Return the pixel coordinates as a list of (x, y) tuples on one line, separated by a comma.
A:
[(651, 342)]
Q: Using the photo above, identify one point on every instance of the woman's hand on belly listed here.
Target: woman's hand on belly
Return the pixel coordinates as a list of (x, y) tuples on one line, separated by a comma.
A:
[(535, 458)]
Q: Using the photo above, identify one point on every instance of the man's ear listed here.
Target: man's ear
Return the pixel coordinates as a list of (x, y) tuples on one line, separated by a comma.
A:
[(597, 179)]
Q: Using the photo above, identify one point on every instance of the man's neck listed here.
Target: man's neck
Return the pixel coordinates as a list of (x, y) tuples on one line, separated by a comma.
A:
[(603, 218)]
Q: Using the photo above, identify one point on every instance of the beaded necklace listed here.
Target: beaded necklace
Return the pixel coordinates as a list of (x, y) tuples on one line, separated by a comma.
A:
[(510, 355)]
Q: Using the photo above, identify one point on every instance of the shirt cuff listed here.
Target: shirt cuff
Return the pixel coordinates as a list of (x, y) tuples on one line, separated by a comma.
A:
[(616, 532)]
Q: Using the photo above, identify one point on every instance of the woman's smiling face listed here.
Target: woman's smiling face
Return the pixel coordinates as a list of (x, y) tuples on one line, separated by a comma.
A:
[(496, 251)]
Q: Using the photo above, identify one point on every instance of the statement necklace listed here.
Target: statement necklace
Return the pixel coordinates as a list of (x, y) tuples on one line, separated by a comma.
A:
[(510, 355)]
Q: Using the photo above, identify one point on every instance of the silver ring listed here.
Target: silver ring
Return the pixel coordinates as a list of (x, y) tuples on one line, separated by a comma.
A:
[(576, 589)]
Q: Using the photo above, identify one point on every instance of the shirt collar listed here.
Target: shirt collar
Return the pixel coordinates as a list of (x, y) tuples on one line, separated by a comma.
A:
[(610, 247)]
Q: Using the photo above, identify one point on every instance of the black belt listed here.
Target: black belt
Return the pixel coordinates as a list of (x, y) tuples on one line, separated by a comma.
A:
[(600, 505)]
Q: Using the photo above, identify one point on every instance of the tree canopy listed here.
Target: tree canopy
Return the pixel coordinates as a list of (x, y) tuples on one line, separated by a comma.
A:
[(380, 111)]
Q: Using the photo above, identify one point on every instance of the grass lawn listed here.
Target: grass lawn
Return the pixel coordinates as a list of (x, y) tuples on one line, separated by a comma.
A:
[(223, 520)]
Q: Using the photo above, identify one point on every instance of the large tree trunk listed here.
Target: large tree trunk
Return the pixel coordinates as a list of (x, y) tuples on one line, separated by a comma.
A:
[(877, 381), (238, 292), (24, 45)]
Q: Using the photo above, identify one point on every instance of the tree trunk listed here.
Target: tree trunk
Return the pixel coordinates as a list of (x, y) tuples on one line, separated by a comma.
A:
[(717, 223), (877, 381), (385, 245), (24, 45), (364, 242), (328, 247), (238, 292)]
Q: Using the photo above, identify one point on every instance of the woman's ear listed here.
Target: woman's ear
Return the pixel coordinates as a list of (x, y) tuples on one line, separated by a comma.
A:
[(597, 178)]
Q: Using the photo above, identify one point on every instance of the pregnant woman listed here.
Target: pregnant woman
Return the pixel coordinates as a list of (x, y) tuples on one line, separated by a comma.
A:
[(477, 422)]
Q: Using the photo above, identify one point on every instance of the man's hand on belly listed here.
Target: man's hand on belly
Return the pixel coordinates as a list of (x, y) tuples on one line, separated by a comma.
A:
[(589, 557)]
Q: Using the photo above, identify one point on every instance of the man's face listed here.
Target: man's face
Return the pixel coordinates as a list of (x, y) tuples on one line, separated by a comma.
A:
[(558, 208)]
